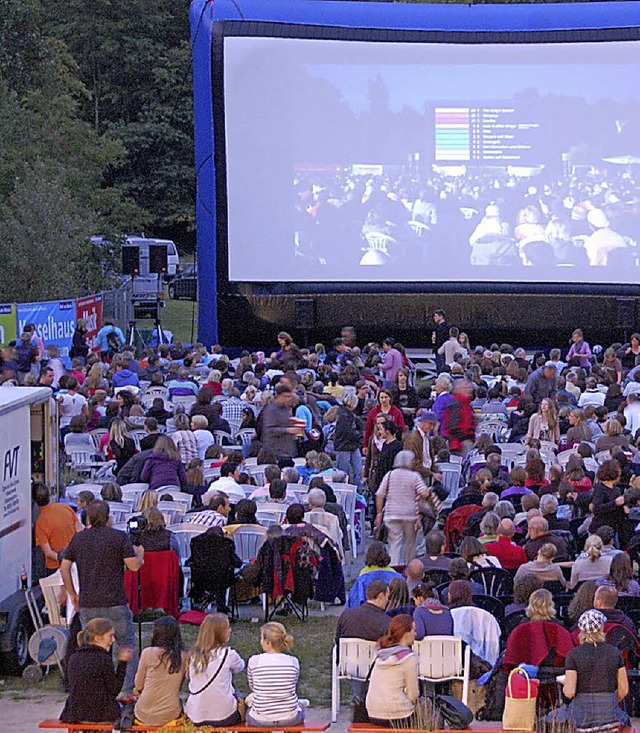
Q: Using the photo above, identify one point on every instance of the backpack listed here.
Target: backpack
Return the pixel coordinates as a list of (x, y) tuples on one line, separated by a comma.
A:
[(113, 340)]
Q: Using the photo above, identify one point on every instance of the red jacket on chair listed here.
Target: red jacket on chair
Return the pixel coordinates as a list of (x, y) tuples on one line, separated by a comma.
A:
[(159, 580)]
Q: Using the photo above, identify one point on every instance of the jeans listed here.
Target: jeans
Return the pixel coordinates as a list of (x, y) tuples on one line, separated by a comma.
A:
[(122, 620), (401, 531), (439, 362), (298, 720), (351, 463)]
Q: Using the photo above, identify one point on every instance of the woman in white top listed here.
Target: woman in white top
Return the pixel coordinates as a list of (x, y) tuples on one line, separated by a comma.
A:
[(273, 677), (590, 564), (212, 699)]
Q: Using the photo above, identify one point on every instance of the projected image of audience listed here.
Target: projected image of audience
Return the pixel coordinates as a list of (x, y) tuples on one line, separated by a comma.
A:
[(439, 162)]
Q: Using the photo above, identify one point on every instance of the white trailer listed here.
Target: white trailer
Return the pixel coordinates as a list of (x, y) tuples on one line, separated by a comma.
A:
[(28, 451)]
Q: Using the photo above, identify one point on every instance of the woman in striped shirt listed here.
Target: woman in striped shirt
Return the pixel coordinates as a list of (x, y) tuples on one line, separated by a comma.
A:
[(273, 677)]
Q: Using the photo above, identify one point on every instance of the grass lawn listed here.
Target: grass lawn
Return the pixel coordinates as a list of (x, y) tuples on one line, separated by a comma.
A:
[(313, 641)]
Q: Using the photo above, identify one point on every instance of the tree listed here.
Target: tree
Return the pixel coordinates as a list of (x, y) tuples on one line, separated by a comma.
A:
[(53, 190)]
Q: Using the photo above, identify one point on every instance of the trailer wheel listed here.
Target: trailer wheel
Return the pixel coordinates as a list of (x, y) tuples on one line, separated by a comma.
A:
[(33, 673), (18, 658)]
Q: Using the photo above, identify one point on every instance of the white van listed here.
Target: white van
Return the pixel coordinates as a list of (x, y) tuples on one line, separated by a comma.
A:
[(173, 260)]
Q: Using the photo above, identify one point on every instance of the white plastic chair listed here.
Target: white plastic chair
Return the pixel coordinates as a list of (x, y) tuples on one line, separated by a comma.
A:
[(451, 473), (183, 533), (269, 517), (181, 497), (71, 492), (220, 436), (186, 401), (246, 436), (440, 658), (83, 461), (248, 540), (346, 496), (178, 507), (137, 436), (350, 661), (119, 511)]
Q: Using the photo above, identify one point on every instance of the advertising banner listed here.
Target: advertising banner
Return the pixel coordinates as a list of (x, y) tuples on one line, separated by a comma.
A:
[(90, 309), (55, 322), (8, 326)]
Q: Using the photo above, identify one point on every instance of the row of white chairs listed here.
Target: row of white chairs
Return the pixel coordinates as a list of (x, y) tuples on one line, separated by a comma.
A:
[(440, 659)]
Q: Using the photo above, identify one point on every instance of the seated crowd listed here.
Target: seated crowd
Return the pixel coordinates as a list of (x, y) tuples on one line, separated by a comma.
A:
[(507, 500)]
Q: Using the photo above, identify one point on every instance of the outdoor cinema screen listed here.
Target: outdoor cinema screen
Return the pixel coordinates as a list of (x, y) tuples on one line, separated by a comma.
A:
[(369, 161)]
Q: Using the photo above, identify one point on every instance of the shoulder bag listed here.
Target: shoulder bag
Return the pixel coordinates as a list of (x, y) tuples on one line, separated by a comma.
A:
[(217, 672), (360, 714)]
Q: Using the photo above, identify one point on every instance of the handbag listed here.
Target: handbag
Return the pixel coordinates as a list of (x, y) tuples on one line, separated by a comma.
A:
[(519, 713), (380, 533), (217, 672), (360, 714), (455, 713)]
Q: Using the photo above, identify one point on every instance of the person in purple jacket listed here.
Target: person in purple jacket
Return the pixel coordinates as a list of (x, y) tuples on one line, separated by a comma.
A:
[(392, 362), (431, 617), (164, 467)]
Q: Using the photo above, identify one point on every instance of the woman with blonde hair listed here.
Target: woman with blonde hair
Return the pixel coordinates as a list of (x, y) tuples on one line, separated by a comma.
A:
[(541, 606), (95, 379), (591, 564), (185, 439), (212, 698), (273, 678), (544, 424), (148, 500), (121, 445), (93, 683), (579, 430), (543, 566), (164, 467), (595, 681)]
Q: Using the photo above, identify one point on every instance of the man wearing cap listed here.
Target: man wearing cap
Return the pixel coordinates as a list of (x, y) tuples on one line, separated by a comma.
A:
[(417, 441), (542, 383)]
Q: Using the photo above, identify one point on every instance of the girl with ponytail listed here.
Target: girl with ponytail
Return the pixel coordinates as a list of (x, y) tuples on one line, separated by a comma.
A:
[(393, 685), (591, 564), (273, 677), (93, 683)]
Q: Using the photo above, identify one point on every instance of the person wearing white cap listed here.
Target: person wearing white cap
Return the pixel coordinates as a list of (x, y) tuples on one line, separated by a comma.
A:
[(603, 240), (595, 680)]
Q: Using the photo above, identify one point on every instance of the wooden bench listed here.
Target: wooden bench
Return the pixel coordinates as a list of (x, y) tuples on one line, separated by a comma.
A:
[(311, 727), (478, 727)]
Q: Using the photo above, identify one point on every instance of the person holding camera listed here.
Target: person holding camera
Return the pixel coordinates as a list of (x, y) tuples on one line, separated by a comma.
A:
[(101, 554)]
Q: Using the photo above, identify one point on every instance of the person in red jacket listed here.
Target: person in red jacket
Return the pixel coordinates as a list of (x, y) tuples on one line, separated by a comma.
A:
[(511, 556), (388, 409), (459, 423)]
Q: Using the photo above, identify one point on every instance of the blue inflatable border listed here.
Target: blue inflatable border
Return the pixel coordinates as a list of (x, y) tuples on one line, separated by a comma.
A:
[(204, 14)]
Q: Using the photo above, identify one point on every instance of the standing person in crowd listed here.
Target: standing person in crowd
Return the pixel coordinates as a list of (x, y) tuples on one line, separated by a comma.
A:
[(93, 683), (390, 449), (439, 335), (580, 353), (161, 670), (385, 407), (451, 348), (55, 526), (541, 384), (347, 439), (392, 362), (393, 686), (110, 339), (277, 433), (164, 467), (101, 555), (397, 507), (121, 445), (544, 424), (273, 678), (608, 503), (444, 398), (373, 452), (212, 698), (71, 404)]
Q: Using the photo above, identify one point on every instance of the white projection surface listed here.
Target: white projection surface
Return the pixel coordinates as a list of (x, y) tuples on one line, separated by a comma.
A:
[(352, 161)]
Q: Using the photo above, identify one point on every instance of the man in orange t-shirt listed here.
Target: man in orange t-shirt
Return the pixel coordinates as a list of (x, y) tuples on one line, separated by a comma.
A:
[(55, 526)]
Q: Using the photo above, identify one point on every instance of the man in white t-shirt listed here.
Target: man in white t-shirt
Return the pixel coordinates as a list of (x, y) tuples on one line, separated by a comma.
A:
[(71, 404)]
